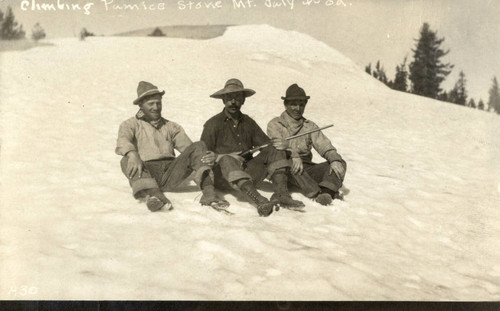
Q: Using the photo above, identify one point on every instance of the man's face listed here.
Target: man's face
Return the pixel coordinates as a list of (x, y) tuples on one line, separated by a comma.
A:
[(233, 102), (295, 108), (151, 107)]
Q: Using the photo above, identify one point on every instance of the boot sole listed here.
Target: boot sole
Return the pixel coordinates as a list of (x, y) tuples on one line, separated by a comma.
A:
[(154, 204), (220, 204), (269, 205), (288, 206)]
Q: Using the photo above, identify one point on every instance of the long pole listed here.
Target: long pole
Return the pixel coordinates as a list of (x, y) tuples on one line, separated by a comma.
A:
[(244, 153)]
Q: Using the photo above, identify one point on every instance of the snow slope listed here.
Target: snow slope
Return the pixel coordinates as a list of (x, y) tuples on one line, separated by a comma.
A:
[(420, 221)]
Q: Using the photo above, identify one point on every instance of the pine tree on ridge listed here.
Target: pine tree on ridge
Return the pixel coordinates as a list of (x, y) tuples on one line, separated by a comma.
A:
[(494, 96), (401, 77), (458, 95), (426, 71), (9, 29)]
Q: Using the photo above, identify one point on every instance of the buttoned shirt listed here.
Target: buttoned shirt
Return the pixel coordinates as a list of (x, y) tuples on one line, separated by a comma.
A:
[(222, 135), (152, 143), (285, 126)]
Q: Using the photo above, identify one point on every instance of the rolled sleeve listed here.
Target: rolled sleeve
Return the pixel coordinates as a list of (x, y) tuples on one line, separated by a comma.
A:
[(332, 156)]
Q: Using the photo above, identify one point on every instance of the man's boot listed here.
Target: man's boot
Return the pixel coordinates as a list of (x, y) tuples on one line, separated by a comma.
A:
[(281, 194), (264, 206), (323, 198), (155, 200), (209, 196), (326, 196)]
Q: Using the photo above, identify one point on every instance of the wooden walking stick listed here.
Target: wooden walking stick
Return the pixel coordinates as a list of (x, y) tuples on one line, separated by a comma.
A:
[(244, 153)]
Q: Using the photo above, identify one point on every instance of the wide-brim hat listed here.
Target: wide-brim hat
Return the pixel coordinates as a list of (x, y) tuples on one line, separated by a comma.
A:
[(295, 92), (232, 86), (145, 89)]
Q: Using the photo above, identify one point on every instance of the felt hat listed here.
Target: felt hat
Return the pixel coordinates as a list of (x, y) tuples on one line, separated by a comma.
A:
[(145, 89), (232, 86), (295, 92)]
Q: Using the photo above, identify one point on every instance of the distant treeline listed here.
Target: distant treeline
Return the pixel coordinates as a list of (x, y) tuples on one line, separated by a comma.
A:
[(10, 29), (426, 73), (197, 32)]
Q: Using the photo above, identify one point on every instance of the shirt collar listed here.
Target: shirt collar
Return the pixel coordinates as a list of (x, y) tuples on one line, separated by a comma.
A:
[(228, 117), (156, 124)]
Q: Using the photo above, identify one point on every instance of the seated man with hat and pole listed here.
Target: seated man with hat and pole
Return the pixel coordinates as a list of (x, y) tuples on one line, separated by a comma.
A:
[(318, 181), (147, 142), (229, 135)]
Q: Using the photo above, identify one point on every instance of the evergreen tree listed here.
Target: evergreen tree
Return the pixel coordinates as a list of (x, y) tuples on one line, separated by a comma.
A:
[(390, 84), (443, 96), (1, 17), (84, 33), (9, 29), (472, 104), (426, 71), (452, 96), (401, 78), (458, 95), (494, 99), (480, 105), (157, 33), (368, 69), (379, 73), (37, 32)]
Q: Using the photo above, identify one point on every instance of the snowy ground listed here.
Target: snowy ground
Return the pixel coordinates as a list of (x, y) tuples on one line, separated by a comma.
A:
[(420, 221)]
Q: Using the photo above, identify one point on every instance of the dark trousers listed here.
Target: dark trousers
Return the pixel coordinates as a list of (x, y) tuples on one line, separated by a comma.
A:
[(229, 169), (167, 174), (316, 176)]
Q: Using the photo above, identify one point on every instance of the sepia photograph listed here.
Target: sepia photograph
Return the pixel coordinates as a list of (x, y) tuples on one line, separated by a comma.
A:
[(250, 150)]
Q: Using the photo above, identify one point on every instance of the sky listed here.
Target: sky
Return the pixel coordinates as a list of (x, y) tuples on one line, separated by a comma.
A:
[(364, 30)]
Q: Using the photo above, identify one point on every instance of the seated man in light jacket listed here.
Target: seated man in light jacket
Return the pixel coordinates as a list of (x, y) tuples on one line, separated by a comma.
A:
[(318, 181), (147, 142)]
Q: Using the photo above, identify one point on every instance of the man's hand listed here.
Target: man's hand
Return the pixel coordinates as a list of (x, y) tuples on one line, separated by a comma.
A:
[(209, 158), (134, 164), (297, 166), (279, 143), (338, 168)]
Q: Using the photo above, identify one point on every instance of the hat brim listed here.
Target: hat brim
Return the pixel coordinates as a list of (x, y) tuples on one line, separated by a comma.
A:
[(220, 94), (147, 94), (295, 97)]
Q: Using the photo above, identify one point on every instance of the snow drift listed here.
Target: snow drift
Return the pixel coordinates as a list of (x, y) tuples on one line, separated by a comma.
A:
[(420, 221)]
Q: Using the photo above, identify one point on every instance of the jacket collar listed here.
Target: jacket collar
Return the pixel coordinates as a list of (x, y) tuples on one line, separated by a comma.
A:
[(285, 119), (293, 126)]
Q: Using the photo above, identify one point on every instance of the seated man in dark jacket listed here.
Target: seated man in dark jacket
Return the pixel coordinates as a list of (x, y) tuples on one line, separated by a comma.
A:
[(147, 142), (318, 181), (229, 133)]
